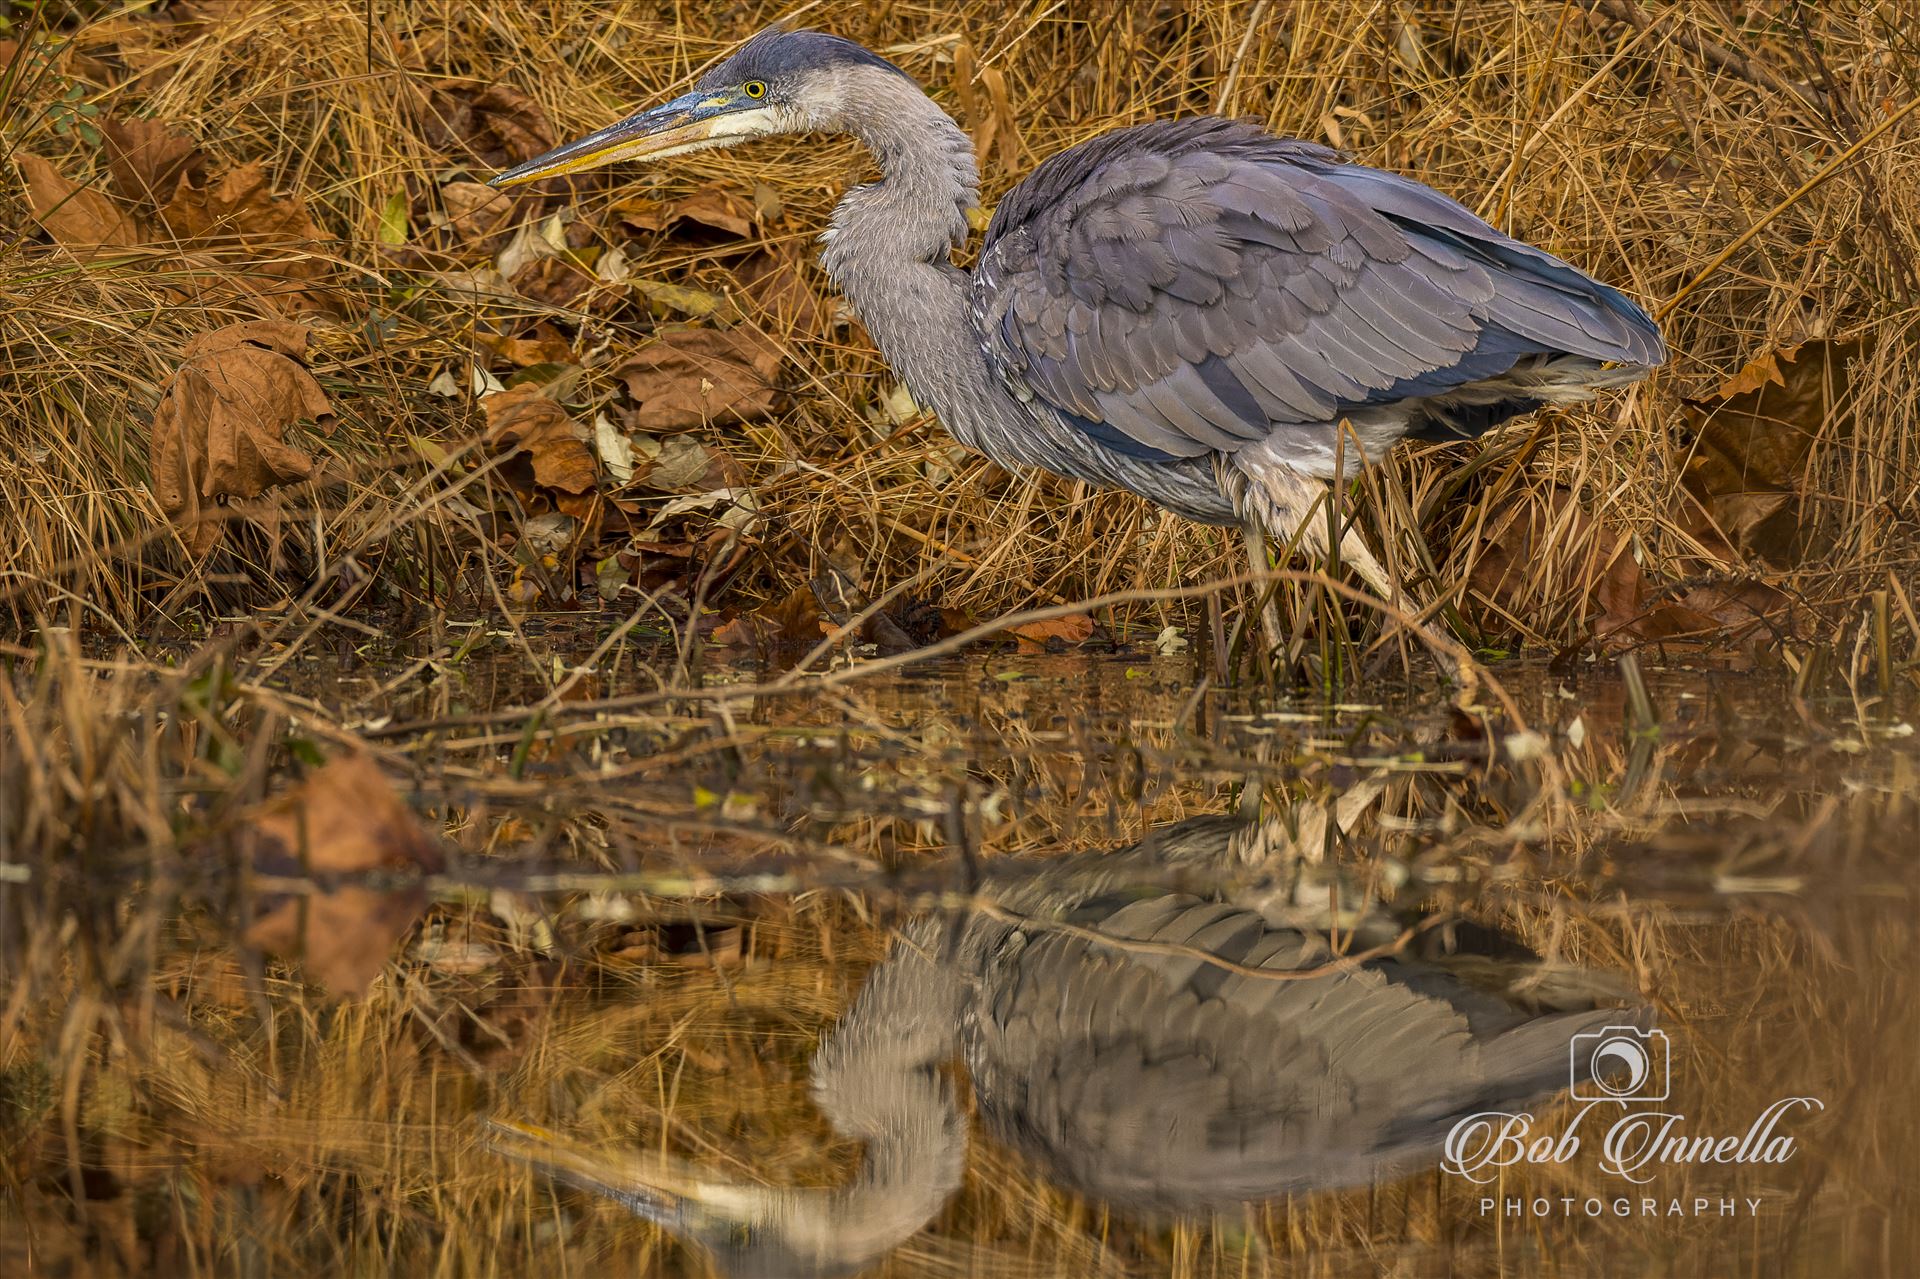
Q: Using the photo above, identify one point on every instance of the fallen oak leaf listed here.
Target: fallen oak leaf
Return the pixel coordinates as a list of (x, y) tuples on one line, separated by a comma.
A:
[(1745, 475), (1054, 635), (523, 420), (148, 160), (690, 377), (344, 819), (220, 429), (79, 219)]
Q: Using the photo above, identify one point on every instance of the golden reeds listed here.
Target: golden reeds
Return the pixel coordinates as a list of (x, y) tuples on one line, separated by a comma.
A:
[(1748, 177)]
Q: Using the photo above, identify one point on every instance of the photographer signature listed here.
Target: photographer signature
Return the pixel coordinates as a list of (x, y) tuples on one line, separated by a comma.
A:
[(1481, 1144)]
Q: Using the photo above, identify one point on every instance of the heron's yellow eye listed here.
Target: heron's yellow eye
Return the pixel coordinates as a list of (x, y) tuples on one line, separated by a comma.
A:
[(754, 88)]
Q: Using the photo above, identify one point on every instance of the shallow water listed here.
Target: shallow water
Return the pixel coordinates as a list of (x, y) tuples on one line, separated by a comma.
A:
[(654, 910)]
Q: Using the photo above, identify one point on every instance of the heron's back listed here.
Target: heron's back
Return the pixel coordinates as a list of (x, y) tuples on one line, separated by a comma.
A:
[(1195, 287)]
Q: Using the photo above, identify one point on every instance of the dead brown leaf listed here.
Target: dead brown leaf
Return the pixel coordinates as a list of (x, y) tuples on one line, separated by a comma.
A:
[(714, 206), (79, 219), (475, 211), (1727, 615), (554, 282), (1535, 555), (781, 296), (525, 421), (1746, 474), (344, 819), (240, 209), (682, 464), (793, 622), (688, 377), (843, 598), (220, 430), (1624, 599), (546, 345), (1052, 636), (494, 124), (148, 160), (926, 622)]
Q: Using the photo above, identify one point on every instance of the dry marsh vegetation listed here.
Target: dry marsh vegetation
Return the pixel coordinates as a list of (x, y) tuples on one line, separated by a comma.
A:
[(707, 424), (288, 400)]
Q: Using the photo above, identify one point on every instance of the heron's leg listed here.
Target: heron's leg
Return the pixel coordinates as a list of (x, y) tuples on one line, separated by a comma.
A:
[(1355, 554), (1259, 562), (1274, 497)]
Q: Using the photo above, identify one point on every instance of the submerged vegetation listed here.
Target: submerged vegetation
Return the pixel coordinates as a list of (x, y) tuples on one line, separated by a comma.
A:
[(481, 653)]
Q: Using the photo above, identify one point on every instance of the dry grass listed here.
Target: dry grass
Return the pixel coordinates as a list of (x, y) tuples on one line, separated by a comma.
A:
[(1641, 154), (170, 1101)]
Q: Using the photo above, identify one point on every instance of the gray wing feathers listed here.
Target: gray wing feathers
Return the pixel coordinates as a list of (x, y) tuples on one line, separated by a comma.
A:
[(1194, 284), (1143, 1074)]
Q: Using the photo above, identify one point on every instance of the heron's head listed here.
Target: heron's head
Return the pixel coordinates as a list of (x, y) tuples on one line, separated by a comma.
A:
[(750, 1232), (778, 82)]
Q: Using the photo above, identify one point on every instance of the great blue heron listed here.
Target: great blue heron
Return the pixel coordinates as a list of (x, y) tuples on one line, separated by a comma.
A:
[(1188, 309), (1157, 1027)]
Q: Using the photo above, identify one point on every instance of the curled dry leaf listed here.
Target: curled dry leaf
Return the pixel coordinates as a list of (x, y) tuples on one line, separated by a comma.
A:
[(475, 211), (668, 299), (523, 420), (1537, 555), (79, 219), (688, 377), (544, 238), (1746, 473), (220, 429), (1533, 549), (680, 464), (793, 622), (148, 160), (493, 124), (345, 819), (926, 622), (1052, 636), (843, 598), (1727, 615), (713, 206), (545, 345), (559, 283), (240, 208)]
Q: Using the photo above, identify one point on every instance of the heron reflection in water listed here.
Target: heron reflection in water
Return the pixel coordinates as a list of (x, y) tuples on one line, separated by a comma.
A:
[(1212, 317), (1164, 1028)]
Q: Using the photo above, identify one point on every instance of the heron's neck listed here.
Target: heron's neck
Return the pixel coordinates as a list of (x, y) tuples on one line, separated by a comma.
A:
[(887, 251), (917, 212), (877, 1078)]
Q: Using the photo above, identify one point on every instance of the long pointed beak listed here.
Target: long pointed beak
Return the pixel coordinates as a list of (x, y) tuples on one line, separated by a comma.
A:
[(651, 1186), (687, 123)]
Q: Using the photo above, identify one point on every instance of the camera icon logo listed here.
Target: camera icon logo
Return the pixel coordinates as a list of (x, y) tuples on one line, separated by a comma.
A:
[(1621, 1063)]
